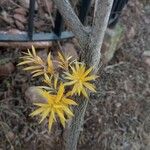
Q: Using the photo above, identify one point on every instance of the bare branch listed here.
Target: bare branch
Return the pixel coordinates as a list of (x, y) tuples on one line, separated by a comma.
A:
[(72, 20), (92, 57), (103, 9), (98, 30)]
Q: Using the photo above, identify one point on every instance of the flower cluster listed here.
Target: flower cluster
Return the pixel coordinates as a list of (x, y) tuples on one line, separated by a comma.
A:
[(72, 78)]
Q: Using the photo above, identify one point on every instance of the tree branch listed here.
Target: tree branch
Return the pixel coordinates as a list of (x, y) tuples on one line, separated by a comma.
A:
[(72, 20), (92, 57), (98, 30), (91, 43)]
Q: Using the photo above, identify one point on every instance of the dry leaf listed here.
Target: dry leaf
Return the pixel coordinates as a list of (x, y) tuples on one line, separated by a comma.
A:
[(21, 11), (20, 18), (19, 25)]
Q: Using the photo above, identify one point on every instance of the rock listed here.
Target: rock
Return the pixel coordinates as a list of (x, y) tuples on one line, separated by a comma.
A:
[(31, 95), (146, 56), (6, 69), (147, 61)]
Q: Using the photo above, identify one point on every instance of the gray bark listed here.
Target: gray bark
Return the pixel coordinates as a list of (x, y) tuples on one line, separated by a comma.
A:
[(93, 52), (91, 42)]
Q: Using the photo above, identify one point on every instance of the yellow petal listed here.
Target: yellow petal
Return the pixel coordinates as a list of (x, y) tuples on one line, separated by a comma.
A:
[(82, 69), (77, 65), (35, 71), (37, 74), (33, 51), (53, 114), (41, 104), (61, 116), (68, 76), (24, 62), (55, 82), (74, 90), (68, 94), (25, 54), (61, 57), (84, 93), (46, 77), (88, 71), (60, 92), (89, 86), (32, 68), (29, 53), (89, 78), (73, 69), (44, 114), (69, 83), (29, 58), (69, 101), (39, 60), (69, 57), (49, 89), (49, 61), (37, 111), (68, 111), (48, 80), (51, 120), (80, 86)]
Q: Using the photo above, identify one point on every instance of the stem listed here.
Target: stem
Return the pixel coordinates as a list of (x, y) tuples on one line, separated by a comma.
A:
[(91, 42), (92, 58)]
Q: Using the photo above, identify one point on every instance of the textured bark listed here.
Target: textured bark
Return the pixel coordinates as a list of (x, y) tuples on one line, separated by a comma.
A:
[(91, 42), (75, 126), (93, 53)]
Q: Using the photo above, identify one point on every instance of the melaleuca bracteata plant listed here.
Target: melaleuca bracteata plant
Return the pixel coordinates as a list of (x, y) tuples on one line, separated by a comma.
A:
[(59, 85)]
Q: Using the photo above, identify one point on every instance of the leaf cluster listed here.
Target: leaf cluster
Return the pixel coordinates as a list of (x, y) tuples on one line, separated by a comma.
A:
[(59, 85)]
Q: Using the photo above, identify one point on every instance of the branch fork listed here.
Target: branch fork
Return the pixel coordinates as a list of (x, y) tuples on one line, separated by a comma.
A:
[(90, 41)]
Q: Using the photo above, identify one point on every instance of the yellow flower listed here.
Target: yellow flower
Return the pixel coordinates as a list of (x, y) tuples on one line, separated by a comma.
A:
[(64, 61), (80, 79), (51, 83), (35, 64), (50, 67), (56, 105)]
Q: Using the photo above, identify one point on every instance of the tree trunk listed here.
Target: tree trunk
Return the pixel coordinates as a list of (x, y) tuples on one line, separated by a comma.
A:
[(91, 42), (92, 57)]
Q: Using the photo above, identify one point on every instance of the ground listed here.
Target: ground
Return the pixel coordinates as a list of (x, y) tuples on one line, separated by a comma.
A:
[(118, 115)]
